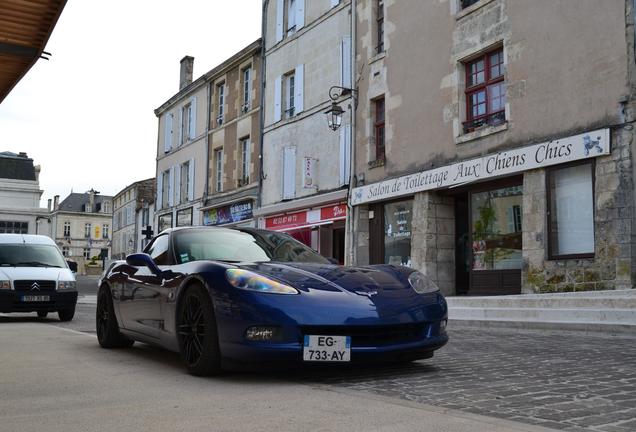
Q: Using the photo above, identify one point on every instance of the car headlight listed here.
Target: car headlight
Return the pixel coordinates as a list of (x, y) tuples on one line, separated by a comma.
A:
[(247, 280), (66, 285), (421, 283), (5, 284)]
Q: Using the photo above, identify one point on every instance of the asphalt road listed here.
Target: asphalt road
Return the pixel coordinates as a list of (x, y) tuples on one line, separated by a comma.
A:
[(87, 285)]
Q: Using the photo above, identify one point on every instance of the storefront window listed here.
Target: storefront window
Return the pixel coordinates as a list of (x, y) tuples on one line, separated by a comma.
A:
[(571, 211), (397, 232), (496, 228)]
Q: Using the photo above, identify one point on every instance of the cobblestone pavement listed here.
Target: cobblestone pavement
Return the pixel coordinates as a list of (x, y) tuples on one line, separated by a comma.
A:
[(571, 382)]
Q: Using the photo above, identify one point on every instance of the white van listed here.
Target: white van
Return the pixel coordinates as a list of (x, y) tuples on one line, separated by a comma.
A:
[(34, 277)]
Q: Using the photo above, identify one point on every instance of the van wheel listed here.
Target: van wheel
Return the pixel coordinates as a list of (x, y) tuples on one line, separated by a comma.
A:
[(66, 314), (42, 314)]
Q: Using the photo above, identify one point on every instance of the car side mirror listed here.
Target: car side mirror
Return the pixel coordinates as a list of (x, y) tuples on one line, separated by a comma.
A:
[(143, 260), (333, 261), (72, 265)]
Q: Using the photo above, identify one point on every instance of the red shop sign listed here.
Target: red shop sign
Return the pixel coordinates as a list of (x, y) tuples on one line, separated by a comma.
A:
[(338, 211), (286, 221)]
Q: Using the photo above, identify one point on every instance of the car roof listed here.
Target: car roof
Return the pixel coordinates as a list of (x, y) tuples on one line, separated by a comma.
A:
[(26, 239)]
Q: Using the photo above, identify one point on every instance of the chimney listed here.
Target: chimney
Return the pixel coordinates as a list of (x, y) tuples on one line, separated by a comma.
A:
[(91, 200), (56, 202), (185, 77), (48, 205), (37, 169)]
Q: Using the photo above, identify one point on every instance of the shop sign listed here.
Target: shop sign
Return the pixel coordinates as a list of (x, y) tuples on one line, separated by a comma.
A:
[(309, 170), (308, 217), (228, 214), (583, 146), (338, 211), (286, 221)]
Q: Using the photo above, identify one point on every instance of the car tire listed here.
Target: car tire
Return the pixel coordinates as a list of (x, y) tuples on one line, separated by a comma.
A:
[(197, 333), (66, 314), (42, 314), (108, 334)]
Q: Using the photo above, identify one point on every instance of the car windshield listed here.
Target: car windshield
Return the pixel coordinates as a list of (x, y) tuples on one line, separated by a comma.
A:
[(241, 246), (30, 255)]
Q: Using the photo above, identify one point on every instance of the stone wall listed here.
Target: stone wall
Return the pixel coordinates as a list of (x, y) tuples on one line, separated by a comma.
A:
[(611, 268)]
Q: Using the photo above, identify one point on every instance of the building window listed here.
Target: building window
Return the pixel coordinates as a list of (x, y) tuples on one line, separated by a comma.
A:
[(67, 229), (571, 211), (165, 193), (66, 251), (378, 128), (247, 89), (290, 88), (87, 230), (185, 182), (165, 221), (245, 162), (220, 89), (105, 231), (291, 17), (379, 26), (106, 207), (145, 217), (485, 91), (218, 163), (11, 227), (186, 123), (87, 253), (467, 3)]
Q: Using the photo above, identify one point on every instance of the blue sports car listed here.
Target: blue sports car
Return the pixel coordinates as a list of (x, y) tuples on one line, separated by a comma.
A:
[(238, 297)]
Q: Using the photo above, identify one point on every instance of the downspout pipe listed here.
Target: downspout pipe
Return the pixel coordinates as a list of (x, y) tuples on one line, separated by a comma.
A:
[(351, 210), (261, 109)]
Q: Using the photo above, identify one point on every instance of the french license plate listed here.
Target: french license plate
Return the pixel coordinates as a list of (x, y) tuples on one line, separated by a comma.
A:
[(327, 348), (35, 298)]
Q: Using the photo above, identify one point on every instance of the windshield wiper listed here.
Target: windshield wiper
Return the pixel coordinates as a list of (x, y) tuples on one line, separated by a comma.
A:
[(33, 264)]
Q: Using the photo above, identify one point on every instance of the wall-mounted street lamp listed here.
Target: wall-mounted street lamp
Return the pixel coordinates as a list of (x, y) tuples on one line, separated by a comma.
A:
[(335, 112)]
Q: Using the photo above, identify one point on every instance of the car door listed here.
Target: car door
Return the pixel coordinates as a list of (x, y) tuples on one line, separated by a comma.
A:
[(140, 302)]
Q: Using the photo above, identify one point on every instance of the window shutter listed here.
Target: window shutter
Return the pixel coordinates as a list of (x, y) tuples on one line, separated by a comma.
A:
[(177, 184), (193, 118), (299, 83), (191, 182), (180, 126), (345, 62), (335, 3), (167, 140), (278, 96), (289, 172), (159, 192), (300, 14), (171, 187), (280, 10), (248, 155), (345, 155)]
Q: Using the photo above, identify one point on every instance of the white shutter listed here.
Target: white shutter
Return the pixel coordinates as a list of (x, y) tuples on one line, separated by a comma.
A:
[(159, 191), (345, 62), (171, 187), (289, 172), (280, 13), (180, 126), (345, 155), (299, 94), (167, 139), (335, 3), (177, 184), (193, 118), (278, 97), (300, 14), (191, 180)]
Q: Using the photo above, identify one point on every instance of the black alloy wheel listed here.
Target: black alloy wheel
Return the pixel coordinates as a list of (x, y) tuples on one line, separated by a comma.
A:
[(197, 333), (42, 314), (108, 334)]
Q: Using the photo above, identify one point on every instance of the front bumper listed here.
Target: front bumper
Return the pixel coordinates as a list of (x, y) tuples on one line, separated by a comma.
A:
[(11, 301)]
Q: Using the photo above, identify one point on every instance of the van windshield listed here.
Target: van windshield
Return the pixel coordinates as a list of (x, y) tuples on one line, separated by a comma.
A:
[(30, 255)]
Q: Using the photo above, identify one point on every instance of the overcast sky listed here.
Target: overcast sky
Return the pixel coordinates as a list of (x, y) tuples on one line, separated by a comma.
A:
[(86, 115)]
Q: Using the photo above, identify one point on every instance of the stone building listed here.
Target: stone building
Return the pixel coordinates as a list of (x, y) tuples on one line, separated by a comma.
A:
[(494, 143), (20, 194), (208, 146), (81, 227), (133, 212), (306, 166)]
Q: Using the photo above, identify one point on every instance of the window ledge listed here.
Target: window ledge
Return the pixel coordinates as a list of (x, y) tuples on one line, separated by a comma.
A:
[(377, 163), (481, 133), (377, 57), (472, 8)]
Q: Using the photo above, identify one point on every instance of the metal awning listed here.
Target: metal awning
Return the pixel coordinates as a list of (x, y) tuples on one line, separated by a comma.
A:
[(25, 27)]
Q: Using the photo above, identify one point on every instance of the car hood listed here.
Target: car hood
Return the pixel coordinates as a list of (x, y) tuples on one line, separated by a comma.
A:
[(36, 273)]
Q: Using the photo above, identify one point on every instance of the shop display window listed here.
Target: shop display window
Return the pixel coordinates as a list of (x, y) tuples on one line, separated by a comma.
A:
[(398, 218)]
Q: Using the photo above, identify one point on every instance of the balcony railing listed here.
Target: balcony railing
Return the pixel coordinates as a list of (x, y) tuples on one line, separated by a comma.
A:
[(493, 119)]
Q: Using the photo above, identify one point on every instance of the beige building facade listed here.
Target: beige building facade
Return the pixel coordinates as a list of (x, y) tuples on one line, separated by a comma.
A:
[(494, 143), (133, 212), (306, 166)]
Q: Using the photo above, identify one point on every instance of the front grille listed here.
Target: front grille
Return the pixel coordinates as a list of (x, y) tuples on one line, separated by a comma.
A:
[(27, 285), (366, 336)]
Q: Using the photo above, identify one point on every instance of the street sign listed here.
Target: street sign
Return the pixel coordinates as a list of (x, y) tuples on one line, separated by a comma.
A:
[(148, 232)]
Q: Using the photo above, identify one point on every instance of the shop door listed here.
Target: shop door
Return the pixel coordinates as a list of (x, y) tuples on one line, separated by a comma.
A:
[(496, 245)]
